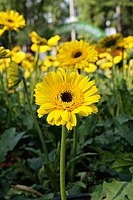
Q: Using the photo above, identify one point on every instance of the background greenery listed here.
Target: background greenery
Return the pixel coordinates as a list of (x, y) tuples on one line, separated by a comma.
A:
[(44, 16)]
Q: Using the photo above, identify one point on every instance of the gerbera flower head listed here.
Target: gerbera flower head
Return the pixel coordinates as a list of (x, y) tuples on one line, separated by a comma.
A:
[(11, 20), (18, 56), (39, 43), (4, 53), (4, 64), (14, 75), (91, 68), (126, 42), (62, 95), (76, 54), (53, 40), (110, 41)]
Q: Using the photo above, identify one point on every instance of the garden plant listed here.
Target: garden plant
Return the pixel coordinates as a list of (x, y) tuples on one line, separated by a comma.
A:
[(66, 116)]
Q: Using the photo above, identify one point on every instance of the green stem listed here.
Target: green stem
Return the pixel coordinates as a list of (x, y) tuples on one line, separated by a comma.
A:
[(74, 153), (116, 109), (5, 92), (123, 64), (113, 74), (34, 75), (36, 123), (62, 164), (10, 39)]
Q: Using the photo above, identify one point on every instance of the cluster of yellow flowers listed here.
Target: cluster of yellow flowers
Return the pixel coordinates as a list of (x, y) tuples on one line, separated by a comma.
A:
[(65, 92)]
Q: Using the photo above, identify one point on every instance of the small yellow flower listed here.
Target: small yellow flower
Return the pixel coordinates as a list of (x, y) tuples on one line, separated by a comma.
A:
[(117, 59), (16, 49), (4, 53), (111, 41), (11, 20), (126, 42), (106, 65), (14, 75), (91, 68), (62, 95), (28, 64), (4, 64), (53, 40), (42, 44), (51, 61), (106, 60), (18, 56)]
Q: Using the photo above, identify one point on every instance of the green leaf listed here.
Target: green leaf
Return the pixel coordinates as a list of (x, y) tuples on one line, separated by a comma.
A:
[(117, 190), (124, 118), (35, 163), (98, 194), (122, 161), (8, 141)]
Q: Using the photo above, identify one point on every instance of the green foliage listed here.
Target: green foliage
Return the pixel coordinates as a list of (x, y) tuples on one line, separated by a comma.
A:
[(98, 12), (8, 141), (116, 190)]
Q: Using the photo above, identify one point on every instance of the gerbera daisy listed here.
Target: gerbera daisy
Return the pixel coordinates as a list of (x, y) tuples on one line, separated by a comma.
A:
[(76, 54), (126, 42), (62, 95), (4, 64), (53, 40), (14, 75), (110, 41), (91, 68), (42, 44), (4, 53), (11, 20)]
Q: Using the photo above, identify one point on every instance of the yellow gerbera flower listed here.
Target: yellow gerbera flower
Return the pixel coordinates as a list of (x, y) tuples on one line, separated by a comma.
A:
[(4, 64), (53, 40), (36, 39), (91, 68), (18, 56), (76, 54), (4, 53), (28, 62), (41, 44), (110, 41), (126, 42), (11, 20), (63, 95), (50, 61), (14, 75)]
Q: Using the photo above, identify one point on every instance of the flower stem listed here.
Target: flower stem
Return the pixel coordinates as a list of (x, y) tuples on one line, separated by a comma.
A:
[(34, 75), (62, 164), (36, 124), (113, 74), (10, 39), (74, 152)]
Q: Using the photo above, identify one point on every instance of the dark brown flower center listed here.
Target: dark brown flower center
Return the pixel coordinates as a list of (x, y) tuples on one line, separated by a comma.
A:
[(77, 54), (66, 96), (111, 43), (9, 20)]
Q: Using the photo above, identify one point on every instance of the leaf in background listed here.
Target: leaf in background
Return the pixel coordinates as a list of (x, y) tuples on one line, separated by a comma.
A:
[(44, 197), (123, 160), (8, 141), (117, 190), (35, 163), (124, 118)]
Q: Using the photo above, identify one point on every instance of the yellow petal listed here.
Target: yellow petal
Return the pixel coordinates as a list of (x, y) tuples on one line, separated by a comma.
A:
[(69, 126), (65, 115)]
